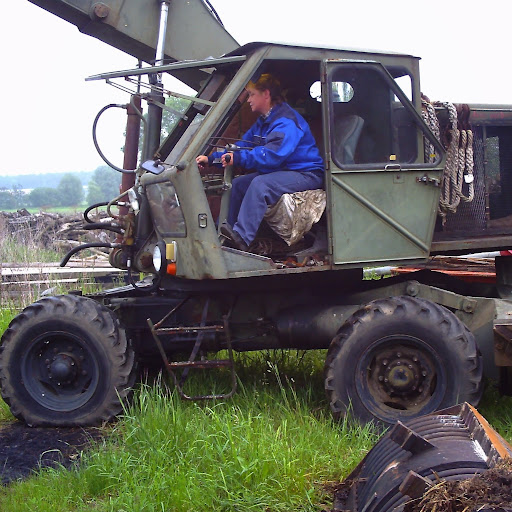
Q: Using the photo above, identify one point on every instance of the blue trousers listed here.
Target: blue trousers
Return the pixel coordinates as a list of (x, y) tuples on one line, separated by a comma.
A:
[(253, 193)]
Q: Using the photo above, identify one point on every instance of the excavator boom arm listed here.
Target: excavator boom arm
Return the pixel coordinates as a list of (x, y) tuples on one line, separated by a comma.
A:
[(193, 31)]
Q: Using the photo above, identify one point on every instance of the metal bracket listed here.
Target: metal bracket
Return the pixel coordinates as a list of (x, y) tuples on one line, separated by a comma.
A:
[(427, 180), (503, 345)]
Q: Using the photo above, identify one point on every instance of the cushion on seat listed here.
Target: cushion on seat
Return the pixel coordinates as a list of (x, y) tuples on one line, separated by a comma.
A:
[(294, 214), (347, 131)]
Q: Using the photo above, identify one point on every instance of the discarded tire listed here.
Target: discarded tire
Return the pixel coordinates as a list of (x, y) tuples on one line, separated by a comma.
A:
[(65, 361), (399, 358)]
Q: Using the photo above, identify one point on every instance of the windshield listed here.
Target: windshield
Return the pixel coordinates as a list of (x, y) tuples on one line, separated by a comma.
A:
[(166, 210)]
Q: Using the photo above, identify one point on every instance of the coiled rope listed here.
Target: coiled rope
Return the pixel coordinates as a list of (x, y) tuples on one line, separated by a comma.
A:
[(459, 157)]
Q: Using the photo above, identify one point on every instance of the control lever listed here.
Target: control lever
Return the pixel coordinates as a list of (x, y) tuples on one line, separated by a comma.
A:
[(229, 148)]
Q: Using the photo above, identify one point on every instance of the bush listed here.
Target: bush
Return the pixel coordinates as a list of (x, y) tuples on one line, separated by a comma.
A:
[(12, 199), (44, 196), (70, 190)]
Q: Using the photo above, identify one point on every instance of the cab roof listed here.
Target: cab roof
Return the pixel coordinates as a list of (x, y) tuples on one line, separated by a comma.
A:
[(284, 48)]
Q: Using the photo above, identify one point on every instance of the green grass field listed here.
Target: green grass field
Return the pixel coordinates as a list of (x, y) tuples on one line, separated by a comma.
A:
[(65, 210), (273, 447)]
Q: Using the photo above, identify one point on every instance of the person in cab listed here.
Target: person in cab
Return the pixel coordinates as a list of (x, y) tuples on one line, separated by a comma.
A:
[(280, 150)]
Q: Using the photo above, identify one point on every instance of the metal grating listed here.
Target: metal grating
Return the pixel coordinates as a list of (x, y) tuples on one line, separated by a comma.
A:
[(499, 176), (490, 212)]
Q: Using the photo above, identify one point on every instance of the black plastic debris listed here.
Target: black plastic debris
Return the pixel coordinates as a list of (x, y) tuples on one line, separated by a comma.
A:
[(452, 444)]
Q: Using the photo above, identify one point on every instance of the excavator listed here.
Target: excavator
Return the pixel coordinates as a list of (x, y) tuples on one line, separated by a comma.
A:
[(405, 179)]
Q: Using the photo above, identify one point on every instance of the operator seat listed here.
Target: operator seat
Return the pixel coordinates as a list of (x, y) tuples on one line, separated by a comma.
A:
[(347, 131), (295, 214)]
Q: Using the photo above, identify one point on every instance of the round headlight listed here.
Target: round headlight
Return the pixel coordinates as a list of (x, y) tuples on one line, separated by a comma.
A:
[(133, 199), (159, 256)]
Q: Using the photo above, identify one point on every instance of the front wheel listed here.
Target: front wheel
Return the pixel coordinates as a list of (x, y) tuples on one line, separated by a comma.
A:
[(399, 358), (65, 361)]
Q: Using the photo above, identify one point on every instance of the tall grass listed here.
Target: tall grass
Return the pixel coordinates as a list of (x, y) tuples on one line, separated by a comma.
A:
[(497, 409), (22, 246), (266, 449), (14, 251), (6, 315), (19, 249), (273, 447)]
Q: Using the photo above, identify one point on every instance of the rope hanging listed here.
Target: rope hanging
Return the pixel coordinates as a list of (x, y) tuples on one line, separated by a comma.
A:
[(459, 156), (429, 116)]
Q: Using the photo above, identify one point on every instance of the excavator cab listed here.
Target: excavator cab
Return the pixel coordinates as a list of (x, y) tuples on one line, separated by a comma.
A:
[(381, 190)]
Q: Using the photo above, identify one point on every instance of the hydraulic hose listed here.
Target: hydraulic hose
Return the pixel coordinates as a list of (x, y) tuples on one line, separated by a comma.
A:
[(213, 11), (92, 207), (115, 202), (82, 247), (104, 225), (103, 157)]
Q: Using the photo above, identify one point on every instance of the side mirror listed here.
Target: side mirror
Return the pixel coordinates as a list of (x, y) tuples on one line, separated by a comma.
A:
[(153, 166)]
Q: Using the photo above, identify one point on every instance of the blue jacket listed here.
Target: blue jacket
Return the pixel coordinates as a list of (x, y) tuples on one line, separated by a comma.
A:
[(282, 141)]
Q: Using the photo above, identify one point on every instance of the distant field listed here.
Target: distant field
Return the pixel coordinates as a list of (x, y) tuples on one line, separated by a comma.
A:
[(65, 210)]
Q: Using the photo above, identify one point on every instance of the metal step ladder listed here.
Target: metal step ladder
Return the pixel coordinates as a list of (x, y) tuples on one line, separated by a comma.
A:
[(158, 329)]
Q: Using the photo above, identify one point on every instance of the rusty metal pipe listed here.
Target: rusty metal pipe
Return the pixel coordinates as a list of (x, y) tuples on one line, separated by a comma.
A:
[(131, 145)]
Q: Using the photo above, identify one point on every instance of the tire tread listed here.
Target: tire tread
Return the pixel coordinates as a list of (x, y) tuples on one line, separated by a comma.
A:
[(103, 323), (458, 334)]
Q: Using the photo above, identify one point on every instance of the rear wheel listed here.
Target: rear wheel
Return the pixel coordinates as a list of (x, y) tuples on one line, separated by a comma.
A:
[(399, 358), (65, 361)]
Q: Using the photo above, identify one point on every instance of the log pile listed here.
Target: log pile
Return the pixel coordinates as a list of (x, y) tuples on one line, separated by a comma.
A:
[(25, 281), (54, 231)]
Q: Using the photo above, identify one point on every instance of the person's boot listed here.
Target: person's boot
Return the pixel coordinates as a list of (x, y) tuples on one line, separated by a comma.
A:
[(235, 240)]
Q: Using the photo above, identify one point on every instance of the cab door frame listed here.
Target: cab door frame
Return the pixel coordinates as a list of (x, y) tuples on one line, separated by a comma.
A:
[(384, 210)]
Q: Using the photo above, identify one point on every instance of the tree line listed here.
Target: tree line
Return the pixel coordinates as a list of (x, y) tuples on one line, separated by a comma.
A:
[(103, 186)]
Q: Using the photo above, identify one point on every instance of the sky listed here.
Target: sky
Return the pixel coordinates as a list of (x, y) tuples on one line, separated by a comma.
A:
[(48, 108)]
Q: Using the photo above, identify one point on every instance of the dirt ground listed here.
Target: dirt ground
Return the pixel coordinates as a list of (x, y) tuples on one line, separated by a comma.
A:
[(491, 490), (24, 449)]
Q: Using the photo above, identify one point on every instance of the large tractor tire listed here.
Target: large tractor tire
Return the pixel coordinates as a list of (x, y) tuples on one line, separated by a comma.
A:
[(65, 361), (399, 358)]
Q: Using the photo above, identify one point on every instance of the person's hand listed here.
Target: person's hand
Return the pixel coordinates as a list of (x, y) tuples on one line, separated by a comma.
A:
[(202, 161), (227, 159)]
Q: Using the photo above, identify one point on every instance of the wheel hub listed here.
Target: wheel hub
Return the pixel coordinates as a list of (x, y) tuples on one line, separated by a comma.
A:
[(59, 371), (402, 377), (400, 372), (63, 368)]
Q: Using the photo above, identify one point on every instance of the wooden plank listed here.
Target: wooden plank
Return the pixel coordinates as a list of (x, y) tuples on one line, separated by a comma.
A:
[(57, 271)]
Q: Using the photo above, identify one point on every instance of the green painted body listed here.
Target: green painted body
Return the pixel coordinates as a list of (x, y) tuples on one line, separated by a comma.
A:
[(381, 206), (377, 213)]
